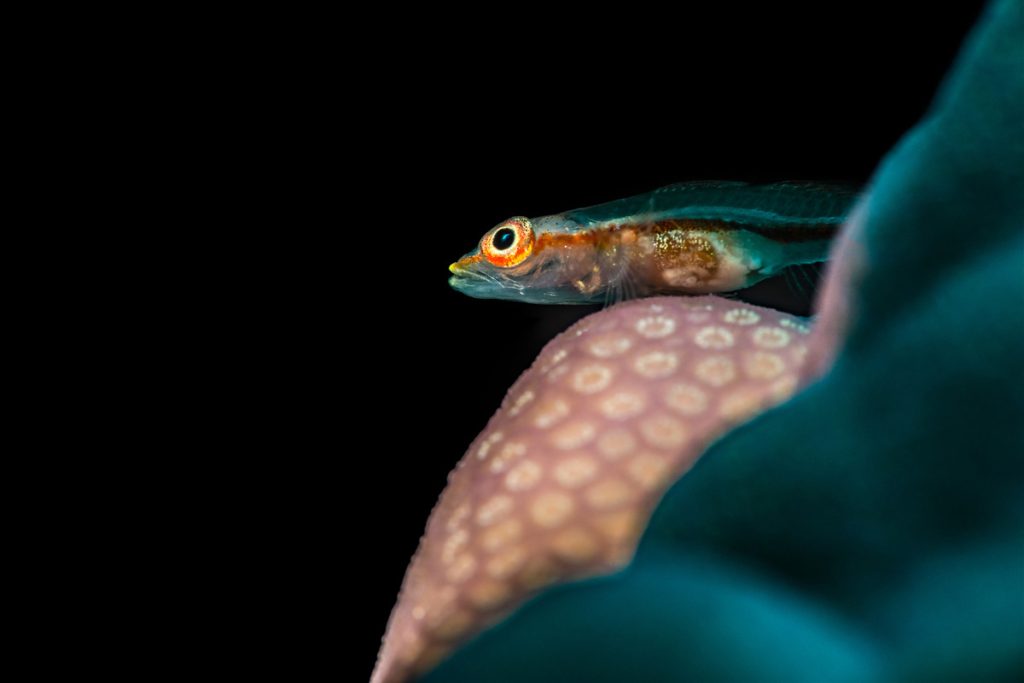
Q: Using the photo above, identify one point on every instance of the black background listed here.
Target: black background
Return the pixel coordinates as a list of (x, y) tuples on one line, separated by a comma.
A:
[(553, 121)]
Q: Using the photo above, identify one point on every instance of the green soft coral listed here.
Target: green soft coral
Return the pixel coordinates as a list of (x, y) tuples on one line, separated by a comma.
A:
[(873, 527)]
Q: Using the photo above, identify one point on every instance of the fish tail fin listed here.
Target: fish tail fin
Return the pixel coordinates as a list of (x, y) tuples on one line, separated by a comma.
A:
[(802, 279)]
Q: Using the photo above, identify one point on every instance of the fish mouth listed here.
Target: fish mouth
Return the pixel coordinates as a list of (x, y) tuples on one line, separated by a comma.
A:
[(461, 274), (469, 282), (457, 281), (479, 285), (466, 273), (463, 278)]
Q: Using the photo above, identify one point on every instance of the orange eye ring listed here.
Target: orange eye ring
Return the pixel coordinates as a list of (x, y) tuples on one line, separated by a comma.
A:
[(509, 243)]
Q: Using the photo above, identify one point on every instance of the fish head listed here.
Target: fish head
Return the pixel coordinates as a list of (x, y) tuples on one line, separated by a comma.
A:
[(534, 261)]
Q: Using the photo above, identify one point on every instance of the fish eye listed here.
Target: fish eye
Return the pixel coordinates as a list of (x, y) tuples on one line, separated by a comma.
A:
[(503, 239), (509, 243)]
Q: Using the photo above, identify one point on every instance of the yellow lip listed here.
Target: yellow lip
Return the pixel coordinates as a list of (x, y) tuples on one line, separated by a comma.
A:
[(463, 264)]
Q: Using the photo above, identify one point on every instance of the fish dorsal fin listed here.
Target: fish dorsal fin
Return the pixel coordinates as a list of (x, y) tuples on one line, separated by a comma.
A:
[(766, 206)]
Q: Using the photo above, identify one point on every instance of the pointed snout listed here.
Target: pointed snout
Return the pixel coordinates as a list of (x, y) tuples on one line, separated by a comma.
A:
[(464, 265)]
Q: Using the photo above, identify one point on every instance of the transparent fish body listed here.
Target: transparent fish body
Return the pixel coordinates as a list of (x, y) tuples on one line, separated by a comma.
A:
[(689, 238)]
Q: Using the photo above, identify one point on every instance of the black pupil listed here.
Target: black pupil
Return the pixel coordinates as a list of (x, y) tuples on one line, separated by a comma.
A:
[(504, 238)]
